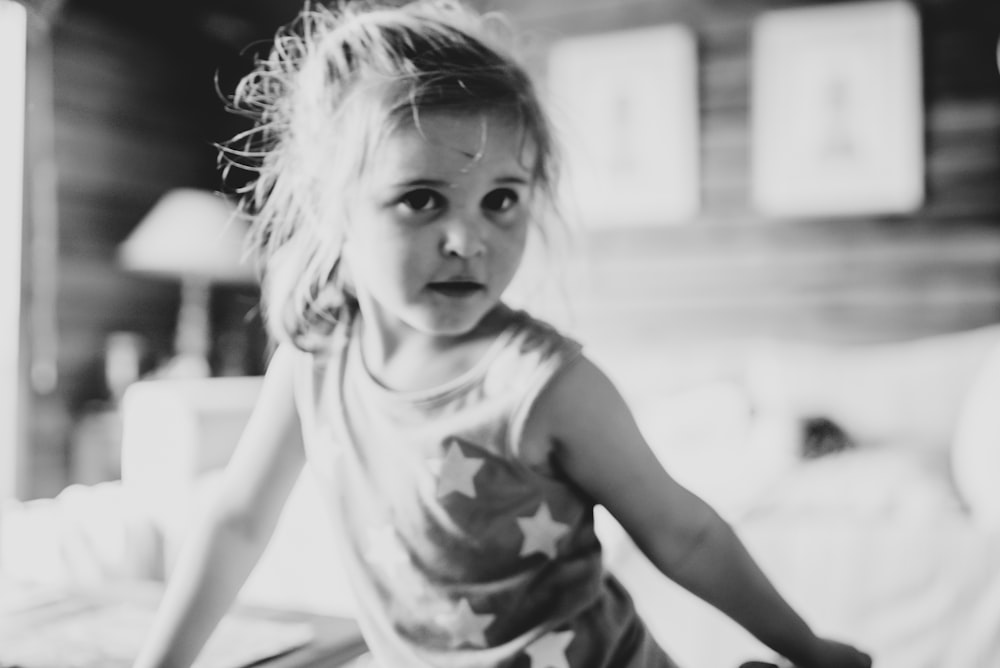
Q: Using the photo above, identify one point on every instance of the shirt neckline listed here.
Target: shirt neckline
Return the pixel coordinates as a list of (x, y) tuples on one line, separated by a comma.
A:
[(448, 388)]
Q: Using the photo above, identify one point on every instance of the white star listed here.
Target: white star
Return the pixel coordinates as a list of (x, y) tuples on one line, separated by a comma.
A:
[(541, 532), (549, 651), (455, 472), (465, 625), (385, 550)]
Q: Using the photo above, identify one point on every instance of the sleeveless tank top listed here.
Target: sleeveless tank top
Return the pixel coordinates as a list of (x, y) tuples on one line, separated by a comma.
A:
[(462, 554)]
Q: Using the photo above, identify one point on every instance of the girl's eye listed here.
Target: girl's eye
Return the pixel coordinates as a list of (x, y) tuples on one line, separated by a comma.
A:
[(421, 200), (500, 200)]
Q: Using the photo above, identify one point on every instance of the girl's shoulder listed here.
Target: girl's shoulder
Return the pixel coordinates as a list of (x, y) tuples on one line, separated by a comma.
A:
[(535, 355), (531, 329), (526, 336)]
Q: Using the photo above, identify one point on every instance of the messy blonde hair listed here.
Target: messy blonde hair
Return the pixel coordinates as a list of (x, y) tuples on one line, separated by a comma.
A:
[(336, 82)]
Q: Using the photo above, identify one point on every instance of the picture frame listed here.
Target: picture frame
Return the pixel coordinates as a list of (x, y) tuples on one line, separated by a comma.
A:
[(626, 106), (837, 110)]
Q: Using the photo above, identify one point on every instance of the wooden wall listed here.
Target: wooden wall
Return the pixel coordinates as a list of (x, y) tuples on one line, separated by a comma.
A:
[(135, 114), (730, 274), (128, 126)]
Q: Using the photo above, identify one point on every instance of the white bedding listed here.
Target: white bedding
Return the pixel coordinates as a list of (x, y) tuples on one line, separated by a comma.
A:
[(871, 546)]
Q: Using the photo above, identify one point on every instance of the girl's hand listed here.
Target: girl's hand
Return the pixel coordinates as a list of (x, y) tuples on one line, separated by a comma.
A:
[(833, 654)]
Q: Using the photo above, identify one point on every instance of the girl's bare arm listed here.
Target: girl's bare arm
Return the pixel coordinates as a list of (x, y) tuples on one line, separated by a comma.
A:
[(227, 542), (600, 447)]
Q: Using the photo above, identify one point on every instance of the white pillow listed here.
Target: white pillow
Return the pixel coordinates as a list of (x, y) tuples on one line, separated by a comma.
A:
[(865, 485), (975, 451), (713, 441)]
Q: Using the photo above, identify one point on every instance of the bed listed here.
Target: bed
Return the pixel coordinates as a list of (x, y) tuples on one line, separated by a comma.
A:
[(862, 479), (860, 476)]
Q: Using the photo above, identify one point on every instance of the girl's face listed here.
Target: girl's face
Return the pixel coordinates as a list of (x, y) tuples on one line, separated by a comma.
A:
[(438, 224)]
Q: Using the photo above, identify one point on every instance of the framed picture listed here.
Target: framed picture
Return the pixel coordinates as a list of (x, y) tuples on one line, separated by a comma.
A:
[(626, 107), (837, 110)]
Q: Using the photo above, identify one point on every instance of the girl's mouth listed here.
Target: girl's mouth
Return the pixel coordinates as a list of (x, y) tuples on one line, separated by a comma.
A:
[(457, 288)]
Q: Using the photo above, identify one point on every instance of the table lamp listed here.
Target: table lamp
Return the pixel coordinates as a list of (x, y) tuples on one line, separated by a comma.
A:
[(190, 235)]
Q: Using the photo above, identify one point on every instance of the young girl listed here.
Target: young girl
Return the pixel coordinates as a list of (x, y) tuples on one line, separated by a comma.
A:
[(401, 156)]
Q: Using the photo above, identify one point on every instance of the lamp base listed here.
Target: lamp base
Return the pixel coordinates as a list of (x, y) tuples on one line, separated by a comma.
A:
[(185, 366), (193, 338)]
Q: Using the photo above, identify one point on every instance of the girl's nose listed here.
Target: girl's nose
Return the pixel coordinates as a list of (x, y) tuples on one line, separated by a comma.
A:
[(464, 239)]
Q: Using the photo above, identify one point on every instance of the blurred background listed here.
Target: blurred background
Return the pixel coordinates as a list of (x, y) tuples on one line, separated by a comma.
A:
[(123, 109)]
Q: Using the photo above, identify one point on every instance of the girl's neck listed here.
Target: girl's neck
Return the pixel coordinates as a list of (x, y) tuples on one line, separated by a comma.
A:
[(411, 360)]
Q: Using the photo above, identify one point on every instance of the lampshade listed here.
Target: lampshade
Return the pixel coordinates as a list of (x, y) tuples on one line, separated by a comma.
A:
[(192, 236), (189, 233)]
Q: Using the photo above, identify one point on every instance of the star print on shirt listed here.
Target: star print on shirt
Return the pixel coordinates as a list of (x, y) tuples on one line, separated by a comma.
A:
[(549, 651), (541, 532), (465, 625), (455, 472)]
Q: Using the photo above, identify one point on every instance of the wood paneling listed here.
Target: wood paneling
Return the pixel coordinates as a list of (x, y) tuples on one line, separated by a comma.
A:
[(123, 135), (135, 114), (732, 274)]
